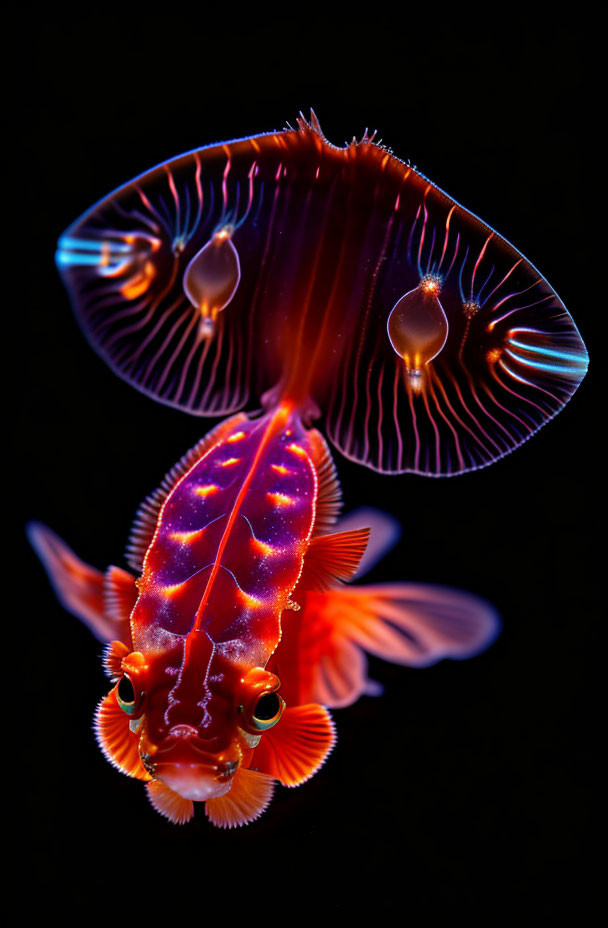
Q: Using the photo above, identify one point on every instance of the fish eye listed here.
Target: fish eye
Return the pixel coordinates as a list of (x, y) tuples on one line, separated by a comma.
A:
[(126, 696), (268, 710)]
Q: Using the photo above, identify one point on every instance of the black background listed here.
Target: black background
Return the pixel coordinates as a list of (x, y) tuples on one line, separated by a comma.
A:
[(465, 787)]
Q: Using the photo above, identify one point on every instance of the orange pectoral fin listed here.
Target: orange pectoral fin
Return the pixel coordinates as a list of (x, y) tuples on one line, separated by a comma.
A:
[(332, 558), (248, 797), (297, 746), (169, 803), (120, 595), (116, 740), (405, 623), (384, 533), (82, 589)]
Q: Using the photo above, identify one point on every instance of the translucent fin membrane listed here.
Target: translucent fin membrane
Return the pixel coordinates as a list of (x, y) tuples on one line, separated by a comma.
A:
[(340, 279)]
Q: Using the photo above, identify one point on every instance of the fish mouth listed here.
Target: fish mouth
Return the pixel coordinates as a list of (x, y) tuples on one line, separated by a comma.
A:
[(196, 781), (190, 766)]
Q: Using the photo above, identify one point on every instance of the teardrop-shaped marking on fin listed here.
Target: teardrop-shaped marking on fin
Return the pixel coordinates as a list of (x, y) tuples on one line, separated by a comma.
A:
[(211, 278), (418, 327)]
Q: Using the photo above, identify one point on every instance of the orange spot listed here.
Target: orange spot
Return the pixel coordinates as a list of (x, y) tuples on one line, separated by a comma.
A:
[(262, 548), (297, 449), (186, 537), (494, 355), (252, 601), (236, 437), (207, 490), (280, 499), (170, 591), (430, 284), (229, 461), (138, 284), (280, 469)]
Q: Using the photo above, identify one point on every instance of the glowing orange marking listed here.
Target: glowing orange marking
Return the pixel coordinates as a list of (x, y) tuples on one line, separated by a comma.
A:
[(430, 285), (186, 537), (280, 469), (262, 548), (494, 355), (297, 449), (229, 462), (274, 425), (280, 499), (172, 590), (252, 601), (137, 285), (207, 490), (236, 437)]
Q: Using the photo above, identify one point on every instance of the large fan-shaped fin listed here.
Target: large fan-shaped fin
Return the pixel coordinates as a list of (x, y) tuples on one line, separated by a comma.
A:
[(306, 249)]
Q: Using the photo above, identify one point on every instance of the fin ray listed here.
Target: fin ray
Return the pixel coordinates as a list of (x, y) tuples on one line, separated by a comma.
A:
[(80, 588), (248, 797), (322, 654), (169, 803), (297, 746)]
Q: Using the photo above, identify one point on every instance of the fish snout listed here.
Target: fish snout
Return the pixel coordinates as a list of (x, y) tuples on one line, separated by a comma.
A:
[(195, 781), (193, 772)]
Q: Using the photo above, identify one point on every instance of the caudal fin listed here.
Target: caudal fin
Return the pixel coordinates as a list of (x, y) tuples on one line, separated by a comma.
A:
[(339, 278)]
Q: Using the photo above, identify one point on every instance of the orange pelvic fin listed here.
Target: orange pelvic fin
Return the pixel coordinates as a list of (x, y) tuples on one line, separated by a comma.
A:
[(169, 803), (405, 623), (248, 797), (332, 558), (115, 738), (80, 588), (297, 746)]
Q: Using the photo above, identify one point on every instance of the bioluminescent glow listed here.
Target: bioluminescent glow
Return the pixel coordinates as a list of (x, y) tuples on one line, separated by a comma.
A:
[(328, 285)]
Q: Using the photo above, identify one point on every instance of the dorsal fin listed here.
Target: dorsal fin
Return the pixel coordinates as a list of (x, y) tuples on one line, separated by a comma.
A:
[(146, 517), (332, 558), (329, 500)]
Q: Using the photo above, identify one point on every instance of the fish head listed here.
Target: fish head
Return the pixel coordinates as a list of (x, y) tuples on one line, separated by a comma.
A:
[(192, 736)]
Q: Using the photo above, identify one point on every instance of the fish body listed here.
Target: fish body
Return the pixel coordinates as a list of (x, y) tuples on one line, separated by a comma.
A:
[(334, 283), (238, 631)]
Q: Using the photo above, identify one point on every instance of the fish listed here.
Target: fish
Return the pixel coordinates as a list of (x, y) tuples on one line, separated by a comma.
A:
[(325, 283)]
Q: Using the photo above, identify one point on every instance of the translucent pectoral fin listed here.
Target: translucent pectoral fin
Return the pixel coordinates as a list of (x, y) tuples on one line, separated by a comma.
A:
[(297, 746), (384, 533), (332, 558), (404, 623), (115, 738), (98, 600)]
